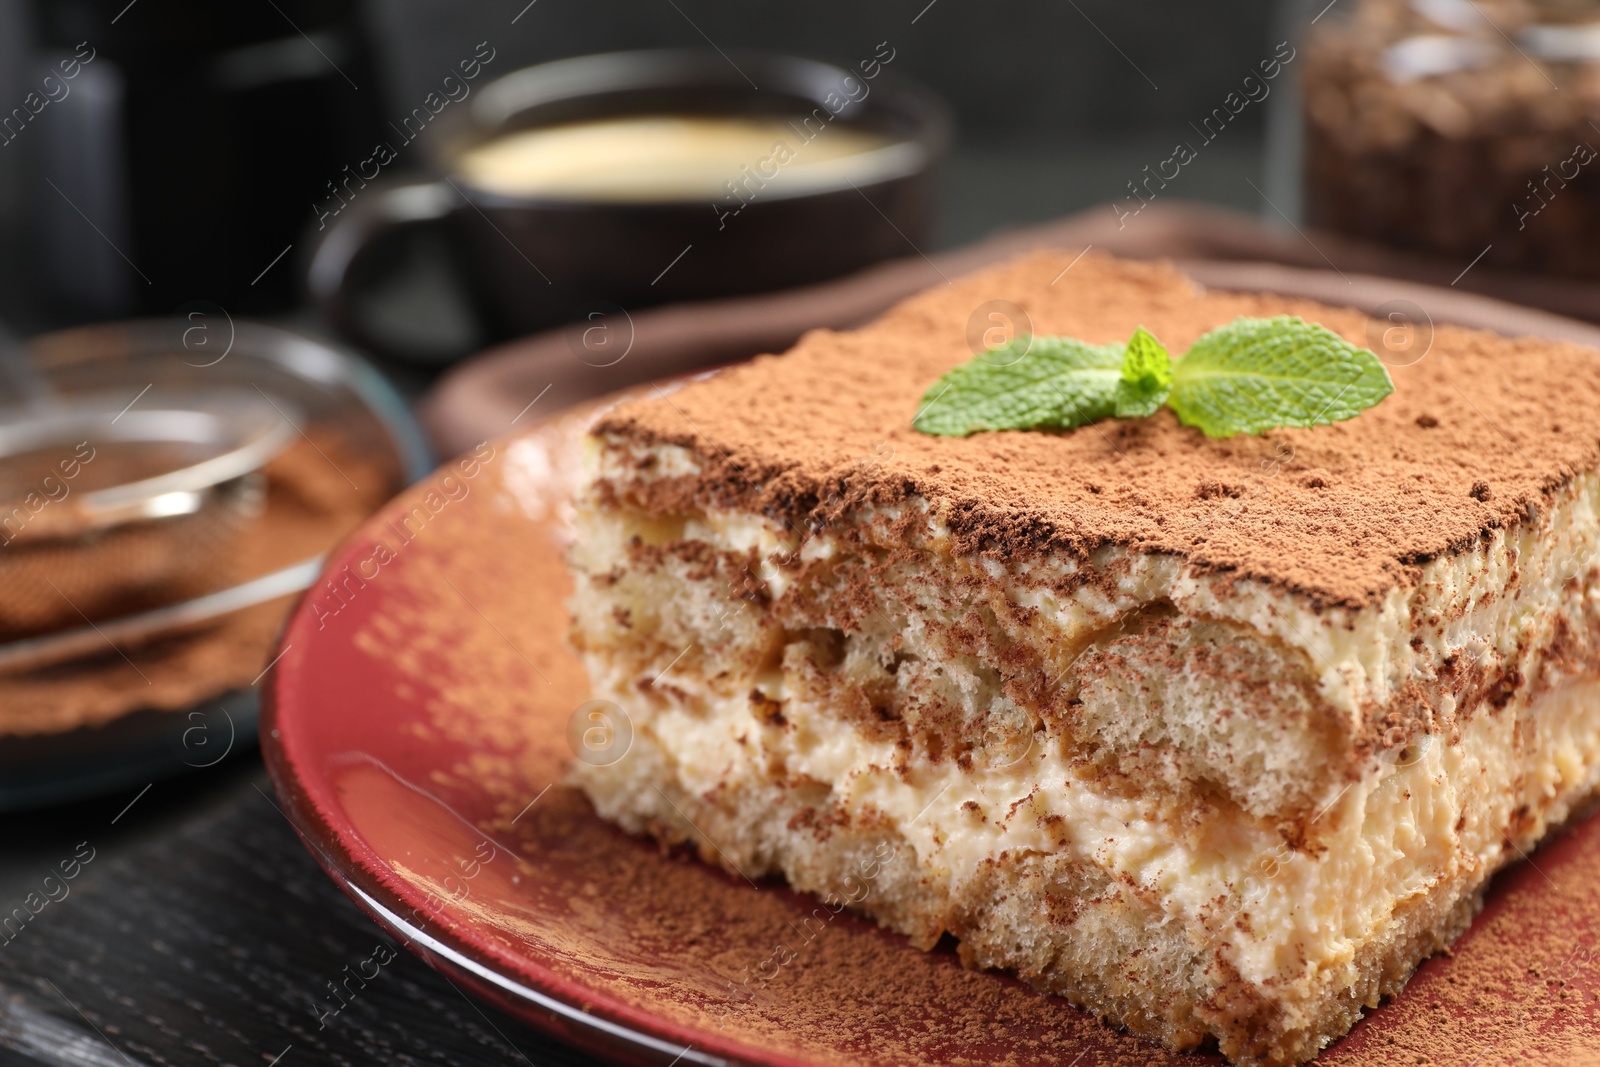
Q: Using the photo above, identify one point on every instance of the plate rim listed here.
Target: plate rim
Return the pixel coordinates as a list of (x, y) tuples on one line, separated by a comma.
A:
[(591, 1019)]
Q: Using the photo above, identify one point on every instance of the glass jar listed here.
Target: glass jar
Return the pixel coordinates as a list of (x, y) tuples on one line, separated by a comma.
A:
[(1457, 128)]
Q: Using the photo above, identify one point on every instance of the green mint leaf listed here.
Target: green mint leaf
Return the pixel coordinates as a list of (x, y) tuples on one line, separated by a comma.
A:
[(1146, 376), (1030, 383), (1254, 375), (1145, 360)]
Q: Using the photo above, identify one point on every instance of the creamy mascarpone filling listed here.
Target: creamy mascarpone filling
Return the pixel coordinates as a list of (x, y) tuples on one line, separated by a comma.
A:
[(1416, 817)]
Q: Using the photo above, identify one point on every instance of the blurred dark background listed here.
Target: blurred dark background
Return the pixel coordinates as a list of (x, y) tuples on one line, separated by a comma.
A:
[(1053, 107), (1058, 106)]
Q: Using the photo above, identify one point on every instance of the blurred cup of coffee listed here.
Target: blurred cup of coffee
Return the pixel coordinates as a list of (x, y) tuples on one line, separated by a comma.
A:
[(644, 178)]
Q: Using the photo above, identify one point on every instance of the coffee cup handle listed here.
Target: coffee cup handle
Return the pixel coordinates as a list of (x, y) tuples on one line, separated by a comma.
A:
[(378, 209)]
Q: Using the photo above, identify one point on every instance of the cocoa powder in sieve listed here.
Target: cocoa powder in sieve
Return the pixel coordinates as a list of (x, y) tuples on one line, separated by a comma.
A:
[(317, 491)]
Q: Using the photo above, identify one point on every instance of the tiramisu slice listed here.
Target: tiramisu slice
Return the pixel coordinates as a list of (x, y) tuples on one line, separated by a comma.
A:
[(1210, 736)]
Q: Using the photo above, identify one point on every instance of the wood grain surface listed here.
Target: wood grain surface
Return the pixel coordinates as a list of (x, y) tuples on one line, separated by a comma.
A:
[(202, 932)]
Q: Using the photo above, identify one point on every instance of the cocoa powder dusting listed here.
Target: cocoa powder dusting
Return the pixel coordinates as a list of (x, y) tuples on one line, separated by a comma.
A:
[(310, 505), (1478, 431), (489, 689)]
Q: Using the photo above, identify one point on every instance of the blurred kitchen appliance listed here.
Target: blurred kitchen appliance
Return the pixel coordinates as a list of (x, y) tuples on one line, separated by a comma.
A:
[(172, 150)]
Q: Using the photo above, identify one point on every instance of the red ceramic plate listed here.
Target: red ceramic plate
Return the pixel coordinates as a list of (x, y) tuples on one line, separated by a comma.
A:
[(417, 728)]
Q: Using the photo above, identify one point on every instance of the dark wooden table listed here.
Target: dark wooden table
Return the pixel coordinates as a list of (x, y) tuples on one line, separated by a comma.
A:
[(201, 931)]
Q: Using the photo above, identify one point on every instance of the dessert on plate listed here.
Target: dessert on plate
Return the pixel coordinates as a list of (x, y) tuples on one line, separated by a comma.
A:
[(1217, 737)]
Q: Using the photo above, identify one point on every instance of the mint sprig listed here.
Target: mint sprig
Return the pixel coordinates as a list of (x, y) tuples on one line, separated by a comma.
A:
[(1249, 376)]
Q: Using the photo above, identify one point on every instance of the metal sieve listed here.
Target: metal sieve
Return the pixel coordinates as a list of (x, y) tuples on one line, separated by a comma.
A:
[(105, 510)]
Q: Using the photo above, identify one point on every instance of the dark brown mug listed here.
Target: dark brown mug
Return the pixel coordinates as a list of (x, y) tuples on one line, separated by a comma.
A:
[(533, 262)]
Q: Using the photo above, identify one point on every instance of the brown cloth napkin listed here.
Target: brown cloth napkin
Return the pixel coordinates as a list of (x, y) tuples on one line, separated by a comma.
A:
[(524, 381)]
